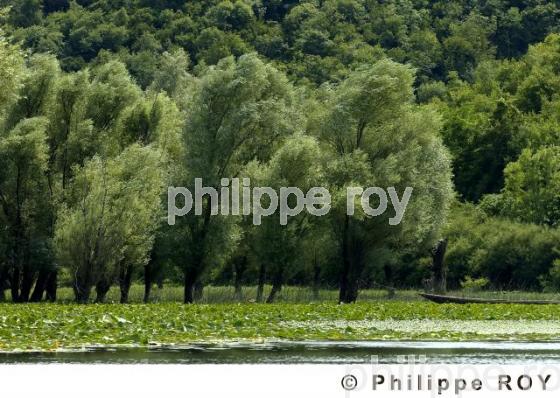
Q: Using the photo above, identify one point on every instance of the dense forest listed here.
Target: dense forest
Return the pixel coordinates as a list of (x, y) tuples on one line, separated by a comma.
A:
[(104, 104)]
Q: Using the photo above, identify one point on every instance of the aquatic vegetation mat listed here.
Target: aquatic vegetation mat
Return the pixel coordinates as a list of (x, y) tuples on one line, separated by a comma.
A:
[(44, 327)]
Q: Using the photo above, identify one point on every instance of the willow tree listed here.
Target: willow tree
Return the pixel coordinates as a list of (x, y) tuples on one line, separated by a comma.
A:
[(23, 162), (172, 77), (24, 152), (376, 137), (153, 120), (239, 110), (112, 214), (298, 163), (11, 71), (87, 115)]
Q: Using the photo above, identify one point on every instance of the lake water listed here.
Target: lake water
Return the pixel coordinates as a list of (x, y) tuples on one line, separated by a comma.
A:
[(308, 352)]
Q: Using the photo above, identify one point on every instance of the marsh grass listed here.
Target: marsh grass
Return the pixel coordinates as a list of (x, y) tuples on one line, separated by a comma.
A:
[(295, 294)]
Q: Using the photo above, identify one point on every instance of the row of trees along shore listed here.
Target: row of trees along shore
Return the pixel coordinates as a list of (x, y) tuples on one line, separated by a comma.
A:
[(87, 157), (105, 104)]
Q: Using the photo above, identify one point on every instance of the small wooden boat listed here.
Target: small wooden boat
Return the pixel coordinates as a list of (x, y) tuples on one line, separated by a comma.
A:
[(441, 299)]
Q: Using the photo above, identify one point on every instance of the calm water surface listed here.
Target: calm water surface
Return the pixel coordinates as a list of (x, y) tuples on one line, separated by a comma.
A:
[(308, 352)]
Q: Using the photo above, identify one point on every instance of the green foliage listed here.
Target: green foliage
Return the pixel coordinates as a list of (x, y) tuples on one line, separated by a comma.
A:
[(469, 44), (104, 102), (36, 91), (297, 163), (532, 186), (111, 217), (240, 110), (482, 132), (551, 282), (111, 91), (23, 189), (26, 13), (511, 255), (474, 285), (395, 146), (314, 41), (508, 107), (49, 327), (11, 71), (172, 76)]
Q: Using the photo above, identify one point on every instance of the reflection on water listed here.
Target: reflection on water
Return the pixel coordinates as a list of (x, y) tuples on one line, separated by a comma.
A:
[(307, 352)]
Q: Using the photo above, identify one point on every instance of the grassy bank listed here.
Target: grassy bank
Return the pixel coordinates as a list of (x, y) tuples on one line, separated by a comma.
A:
[(290, 294), (226, 294), (57, 326)]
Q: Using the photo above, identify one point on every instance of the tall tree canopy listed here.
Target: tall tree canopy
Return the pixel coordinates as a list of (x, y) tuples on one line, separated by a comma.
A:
[(376, 137)]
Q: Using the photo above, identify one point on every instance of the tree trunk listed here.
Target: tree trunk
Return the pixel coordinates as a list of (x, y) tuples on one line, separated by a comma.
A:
[(26, 284), (52, 284), (240, 266), (388, 271), (192, 275), (262, 280), (101, 289), (125, 281), (190, 281), (4, 276), (316, 279), (277, 281), (147, 282), (198, 291), (351, 265), (238, 294), (439, 270), (14, 284), (272, 296), (18, 247), (82, 294), (352, 288), (343, 295), (40, 286)]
